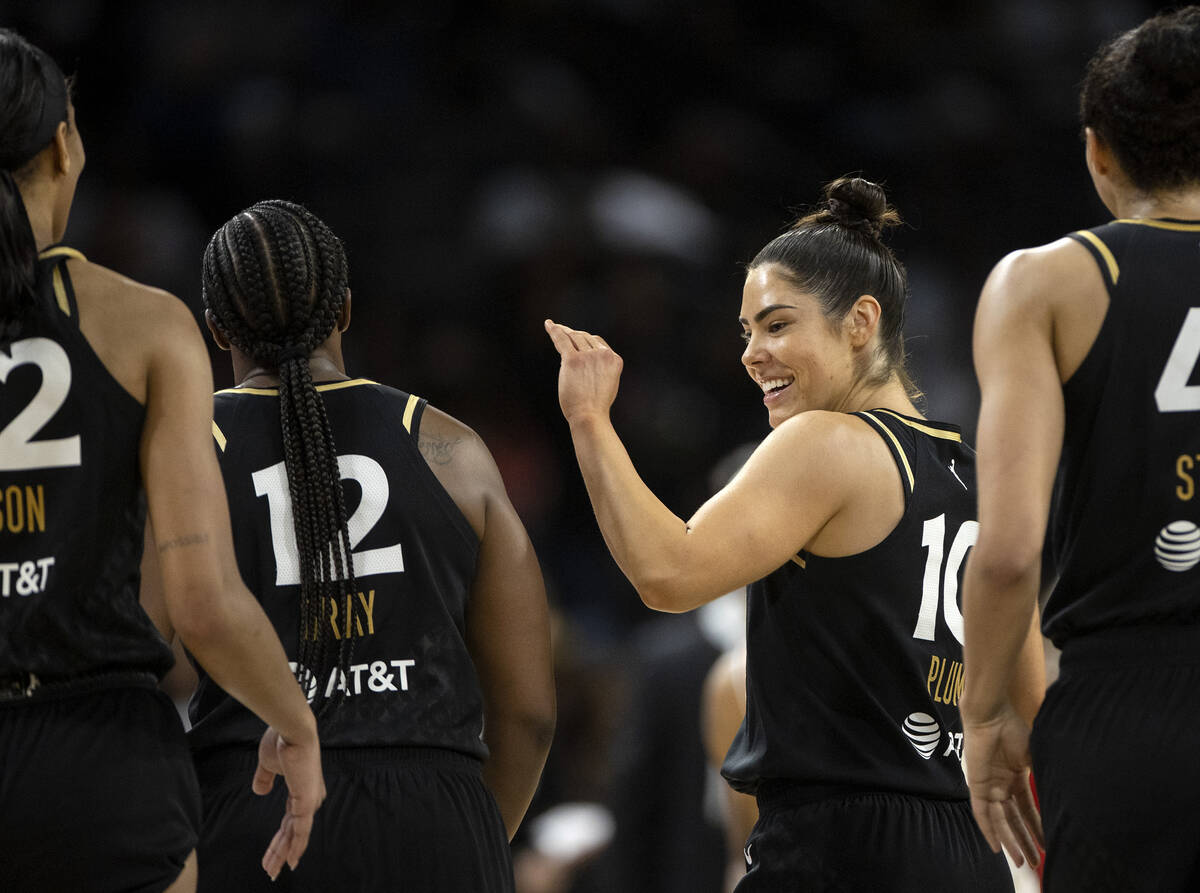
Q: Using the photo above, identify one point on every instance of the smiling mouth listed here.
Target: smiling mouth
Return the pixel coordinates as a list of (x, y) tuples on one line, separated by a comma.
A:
[(772, 386)]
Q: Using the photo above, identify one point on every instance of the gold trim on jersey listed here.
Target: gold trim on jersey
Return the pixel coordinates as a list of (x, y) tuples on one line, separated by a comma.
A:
[(924, 429), (274, 392), (796, 559), (1162, 224), (60, 292), (409, 408), (60, 287), (60, 251), (912, 482), (218, 436), (1114, 271)]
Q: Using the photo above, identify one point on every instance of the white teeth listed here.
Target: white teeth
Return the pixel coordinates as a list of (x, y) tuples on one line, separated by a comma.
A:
[(772, 383)]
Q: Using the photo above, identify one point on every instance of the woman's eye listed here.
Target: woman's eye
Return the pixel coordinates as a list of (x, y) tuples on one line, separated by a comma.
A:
[(776, 327), (745, 336)]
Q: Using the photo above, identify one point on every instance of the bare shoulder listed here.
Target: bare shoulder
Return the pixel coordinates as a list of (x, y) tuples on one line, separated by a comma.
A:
[(835, 440), (444, 441), (117, 296), (134, 328), (1053, 295), (1037, 279), (462, 463)]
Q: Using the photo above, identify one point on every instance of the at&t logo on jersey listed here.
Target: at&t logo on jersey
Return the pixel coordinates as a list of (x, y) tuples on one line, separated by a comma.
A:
[(924, 733), (1177, 546)]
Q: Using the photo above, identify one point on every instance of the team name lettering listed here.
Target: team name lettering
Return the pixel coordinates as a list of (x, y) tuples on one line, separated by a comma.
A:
[(945, 681), (23, 509), (24, 578)]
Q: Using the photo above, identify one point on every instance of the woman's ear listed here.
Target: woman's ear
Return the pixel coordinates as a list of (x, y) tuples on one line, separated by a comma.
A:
[(217, 336), (863, 319)]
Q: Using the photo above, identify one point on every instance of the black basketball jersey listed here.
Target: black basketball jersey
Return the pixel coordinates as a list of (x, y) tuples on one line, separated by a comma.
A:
[(72, 511), (1124, 527), (854, 665), (411, 680)]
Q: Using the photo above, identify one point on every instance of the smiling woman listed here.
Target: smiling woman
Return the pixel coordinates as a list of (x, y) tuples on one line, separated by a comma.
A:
[(849, 525)]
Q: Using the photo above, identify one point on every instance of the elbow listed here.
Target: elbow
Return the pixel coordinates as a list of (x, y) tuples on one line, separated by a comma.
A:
[(666, 596), (201, 614), (1005, 565)]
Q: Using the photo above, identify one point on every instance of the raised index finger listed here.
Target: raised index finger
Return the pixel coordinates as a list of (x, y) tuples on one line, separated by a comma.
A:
[(561, 336)]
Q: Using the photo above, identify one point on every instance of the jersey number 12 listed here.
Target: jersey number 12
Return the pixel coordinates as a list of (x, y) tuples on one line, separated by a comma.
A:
[(372, 479)]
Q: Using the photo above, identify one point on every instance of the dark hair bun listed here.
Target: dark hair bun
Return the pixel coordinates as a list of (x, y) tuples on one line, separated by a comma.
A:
[(859, 204), (1166, 52)]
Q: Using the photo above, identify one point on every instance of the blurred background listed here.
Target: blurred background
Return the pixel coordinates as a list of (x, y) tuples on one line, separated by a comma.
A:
[(608, 163)]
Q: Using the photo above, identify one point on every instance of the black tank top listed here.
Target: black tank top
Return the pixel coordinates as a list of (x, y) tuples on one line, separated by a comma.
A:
[(411, 681), (1124, 531), (72, 511), (854, 664)]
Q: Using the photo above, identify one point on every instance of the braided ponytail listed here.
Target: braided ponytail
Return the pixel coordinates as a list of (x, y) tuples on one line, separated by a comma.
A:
[(275, 281)]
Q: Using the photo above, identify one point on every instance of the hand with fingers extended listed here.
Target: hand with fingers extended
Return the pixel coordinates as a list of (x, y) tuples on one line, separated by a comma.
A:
[(589, 374), (997, 764), (299, 762)]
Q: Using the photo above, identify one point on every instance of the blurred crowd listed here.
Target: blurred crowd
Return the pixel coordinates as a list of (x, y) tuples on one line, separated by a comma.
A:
[(607, 163)]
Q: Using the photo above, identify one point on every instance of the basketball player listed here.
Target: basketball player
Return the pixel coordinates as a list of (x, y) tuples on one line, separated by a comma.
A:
[(409, 597), (1085, 350), (849, 523), (103, 390)]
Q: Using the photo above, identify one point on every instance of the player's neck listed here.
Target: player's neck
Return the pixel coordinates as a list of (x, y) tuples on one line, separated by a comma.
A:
[(1182, 204)]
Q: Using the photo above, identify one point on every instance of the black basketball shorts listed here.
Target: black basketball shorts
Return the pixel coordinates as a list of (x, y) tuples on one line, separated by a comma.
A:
[(869, 842), (97, 793), (412, 819), (1115, 757)]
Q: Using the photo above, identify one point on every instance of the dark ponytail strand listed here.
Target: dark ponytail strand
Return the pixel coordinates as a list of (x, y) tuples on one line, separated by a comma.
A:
[(275, 281), (33, 102)]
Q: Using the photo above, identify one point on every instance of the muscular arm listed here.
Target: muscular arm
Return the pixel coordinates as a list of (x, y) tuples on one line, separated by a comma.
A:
[(1021, 361), (791, 486), (508, 619), (206, 602)]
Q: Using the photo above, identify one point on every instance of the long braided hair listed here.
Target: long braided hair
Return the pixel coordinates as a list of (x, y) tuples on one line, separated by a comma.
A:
[(274, 281), (33, 101)]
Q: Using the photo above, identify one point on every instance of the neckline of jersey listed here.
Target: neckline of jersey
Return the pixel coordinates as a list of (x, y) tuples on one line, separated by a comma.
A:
[(274, 392)]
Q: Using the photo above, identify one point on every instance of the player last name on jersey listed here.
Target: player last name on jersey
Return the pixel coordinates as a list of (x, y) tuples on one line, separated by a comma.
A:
[(346, 622), (23, 510), (945, 681)]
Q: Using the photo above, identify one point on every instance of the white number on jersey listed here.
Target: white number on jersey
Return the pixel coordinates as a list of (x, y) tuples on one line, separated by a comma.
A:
[(1173, 393), (370, 476), (18, 450), (937, 583)]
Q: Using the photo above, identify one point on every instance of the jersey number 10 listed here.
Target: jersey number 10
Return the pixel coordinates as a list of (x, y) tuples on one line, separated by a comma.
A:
[(937, 582)]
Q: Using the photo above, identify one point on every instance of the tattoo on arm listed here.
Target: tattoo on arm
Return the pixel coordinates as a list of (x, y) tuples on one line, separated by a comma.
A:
[(192, 539), (438, 451)]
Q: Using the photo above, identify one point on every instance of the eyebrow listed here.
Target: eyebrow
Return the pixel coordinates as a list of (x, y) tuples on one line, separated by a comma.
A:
[(766, 311)]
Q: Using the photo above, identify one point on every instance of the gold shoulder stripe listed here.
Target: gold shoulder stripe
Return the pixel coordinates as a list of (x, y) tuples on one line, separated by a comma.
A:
[(887, 432), (218, 436), (262, 392), (1162, 224), (409, 408), (60, 292), (338, 385), (61, 251), (925, 429), (1111, 262), (800, 561)]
